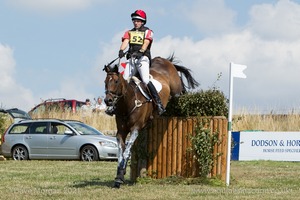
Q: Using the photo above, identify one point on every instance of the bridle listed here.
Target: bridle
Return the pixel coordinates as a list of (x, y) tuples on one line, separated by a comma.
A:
[(117, 96), (114, 94)]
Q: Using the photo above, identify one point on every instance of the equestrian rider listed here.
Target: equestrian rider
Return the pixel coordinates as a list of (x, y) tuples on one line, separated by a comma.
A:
[(140, 40)]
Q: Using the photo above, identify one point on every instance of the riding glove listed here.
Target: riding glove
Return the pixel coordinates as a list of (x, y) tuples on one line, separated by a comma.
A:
[(121, 54), (137, 54)]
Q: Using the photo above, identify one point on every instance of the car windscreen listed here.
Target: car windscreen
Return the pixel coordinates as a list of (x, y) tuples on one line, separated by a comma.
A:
[(84, 129), (18, 114)]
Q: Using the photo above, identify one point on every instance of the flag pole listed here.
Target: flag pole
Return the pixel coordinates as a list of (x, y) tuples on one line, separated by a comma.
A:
[(229, 125), (235, 70)]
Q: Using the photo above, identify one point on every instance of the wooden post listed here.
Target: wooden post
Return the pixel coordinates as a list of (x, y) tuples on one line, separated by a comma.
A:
[(168, 144)]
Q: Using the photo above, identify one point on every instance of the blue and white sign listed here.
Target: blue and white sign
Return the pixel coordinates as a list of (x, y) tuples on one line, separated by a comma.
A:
[(278, 146)]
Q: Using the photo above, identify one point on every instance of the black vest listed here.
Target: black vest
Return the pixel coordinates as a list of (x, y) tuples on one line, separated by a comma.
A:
[(136, 41)]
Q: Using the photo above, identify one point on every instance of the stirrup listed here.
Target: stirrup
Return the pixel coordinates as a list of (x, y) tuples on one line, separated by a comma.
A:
[(160, 109)]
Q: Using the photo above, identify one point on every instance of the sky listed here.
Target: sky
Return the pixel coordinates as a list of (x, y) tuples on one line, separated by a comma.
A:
[(57, 48)]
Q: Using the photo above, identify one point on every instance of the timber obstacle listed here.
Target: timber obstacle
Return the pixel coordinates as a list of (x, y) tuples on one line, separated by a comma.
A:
[(166, 144)]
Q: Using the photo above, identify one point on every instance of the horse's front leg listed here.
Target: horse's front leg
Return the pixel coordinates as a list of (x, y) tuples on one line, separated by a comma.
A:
[(123, 158), (121, 147)]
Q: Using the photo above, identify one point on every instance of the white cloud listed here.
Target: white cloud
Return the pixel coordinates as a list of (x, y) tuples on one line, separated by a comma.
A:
[(69, 88), (278, 21), (271, 57), (273, 66), (269, 46), (210, 16), (52, 6), (12, 94)]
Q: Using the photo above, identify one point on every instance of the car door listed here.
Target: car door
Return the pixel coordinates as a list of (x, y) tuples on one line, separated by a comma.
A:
[(62, 144), (36, 140)]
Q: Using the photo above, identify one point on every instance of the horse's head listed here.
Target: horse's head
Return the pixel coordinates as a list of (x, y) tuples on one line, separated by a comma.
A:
[(113, 86)]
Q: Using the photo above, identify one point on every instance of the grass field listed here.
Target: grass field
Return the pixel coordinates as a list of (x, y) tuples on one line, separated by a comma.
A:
[(81, 180), (94, 180)]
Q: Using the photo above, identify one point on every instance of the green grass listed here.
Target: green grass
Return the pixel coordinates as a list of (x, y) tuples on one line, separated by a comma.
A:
[(83, 180)]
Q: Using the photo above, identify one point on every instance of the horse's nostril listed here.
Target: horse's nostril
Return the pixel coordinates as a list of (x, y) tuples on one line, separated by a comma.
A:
[(108, 101)]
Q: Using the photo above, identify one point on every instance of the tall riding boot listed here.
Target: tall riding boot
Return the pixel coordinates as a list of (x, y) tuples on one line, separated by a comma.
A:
[(156, 98)]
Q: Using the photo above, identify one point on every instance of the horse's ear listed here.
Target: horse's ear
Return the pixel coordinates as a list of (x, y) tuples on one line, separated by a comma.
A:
[(115, 69), (108, 68), (105, 68)]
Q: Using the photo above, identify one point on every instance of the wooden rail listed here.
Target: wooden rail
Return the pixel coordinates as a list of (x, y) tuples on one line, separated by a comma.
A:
[(167, 145)]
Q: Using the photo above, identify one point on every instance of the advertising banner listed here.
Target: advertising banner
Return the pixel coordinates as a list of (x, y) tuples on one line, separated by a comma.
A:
[(260, 145)]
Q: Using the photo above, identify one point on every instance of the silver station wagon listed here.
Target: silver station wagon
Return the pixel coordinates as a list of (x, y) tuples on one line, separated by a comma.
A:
[(57, 139)]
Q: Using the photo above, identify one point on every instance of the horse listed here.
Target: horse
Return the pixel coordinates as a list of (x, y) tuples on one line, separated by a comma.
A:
[(133, 110)]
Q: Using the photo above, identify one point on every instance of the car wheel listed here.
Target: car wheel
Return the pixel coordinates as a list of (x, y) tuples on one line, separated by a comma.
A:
[(20, 153), (89, 153)]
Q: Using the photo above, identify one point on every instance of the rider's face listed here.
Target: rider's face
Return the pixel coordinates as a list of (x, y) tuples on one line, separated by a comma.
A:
[(137, 23)]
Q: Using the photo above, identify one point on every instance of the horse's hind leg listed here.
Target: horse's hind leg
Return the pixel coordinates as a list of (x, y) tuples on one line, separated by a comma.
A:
[(122, 163)]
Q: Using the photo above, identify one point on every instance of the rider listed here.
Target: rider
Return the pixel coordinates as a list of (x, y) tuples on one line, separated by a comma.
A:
[(140, 40)]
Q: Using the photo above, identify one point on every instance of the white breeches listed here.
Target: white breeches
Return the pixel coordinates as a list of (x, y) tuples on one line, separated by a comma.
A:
[(141, 65)]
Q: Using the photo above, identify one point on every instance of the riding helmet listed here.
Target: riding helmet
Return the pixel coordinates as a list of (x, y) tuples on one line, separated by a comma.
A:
[(139, 14)]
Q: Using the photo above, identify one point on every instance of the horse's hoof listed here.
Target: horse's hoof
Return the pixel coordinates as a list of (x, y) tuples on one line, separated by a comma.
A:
[(119, 180), (117, 185)]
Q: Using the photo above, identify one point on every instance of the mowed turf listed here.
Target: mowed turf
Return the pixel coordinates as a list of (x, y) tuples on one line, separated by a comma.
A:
[(94, 180)]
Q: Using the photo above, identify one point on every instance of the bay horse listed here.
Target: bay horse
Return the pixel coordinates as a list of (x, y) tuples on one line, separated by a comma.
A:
[(133, 110)]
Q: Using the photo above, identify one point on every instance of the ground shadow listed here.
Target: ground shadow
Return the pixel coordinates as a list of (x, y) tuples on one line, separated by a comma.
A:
[(98, 182)]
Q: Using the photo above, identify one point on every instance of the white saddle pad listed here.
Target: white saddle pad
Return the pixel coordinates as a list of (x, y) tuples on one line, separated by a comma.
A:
[(156, 83)]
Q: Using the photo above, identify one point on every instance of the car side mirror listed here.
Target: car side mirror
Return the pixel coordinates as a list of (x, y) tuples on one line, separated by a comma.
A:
[(68, 132)]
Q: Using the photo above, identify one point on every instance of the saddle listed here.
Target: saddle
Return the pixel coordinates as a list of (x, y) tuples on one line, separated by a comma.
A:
[(143, 90)]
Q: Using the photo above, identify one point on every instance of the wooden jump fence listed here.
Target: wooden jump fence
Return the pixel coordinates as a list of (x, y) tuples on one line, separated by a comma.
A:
[(166, 148)]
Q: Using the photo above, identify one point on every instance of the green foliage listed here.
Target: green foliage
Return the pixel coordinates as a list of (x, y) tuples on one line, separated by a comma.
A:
[(211, 102), (2, 123), (203, 145)]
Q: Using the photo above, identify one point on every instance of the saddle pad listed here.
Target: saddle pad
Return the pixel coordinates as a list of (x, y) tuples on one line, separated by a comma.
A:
[(156, 83)]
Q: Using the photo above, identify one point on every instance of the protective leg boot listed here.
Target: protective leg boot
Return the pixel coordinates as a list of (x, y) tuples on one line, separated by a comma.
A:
[(156, 98)]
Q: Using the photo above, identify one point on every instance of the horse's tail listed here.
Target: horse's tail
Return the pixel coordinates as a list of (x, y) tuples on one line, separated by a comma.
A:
[(191, 82)]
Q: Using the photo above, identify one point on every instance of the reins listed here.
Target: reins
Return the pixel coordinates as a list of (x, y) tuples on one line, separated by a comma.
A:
[(116, 97), (117, 59)]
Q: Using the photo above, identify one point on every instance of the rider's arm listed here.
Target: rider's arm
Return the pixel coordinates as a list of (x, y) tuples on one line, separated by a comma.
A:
[(145, 45), (147, 40), (124, 44)]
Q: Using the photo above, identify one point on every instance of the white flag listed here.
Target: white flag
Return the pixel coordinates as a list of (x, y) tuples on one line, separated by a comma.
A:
[(237, 70)]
